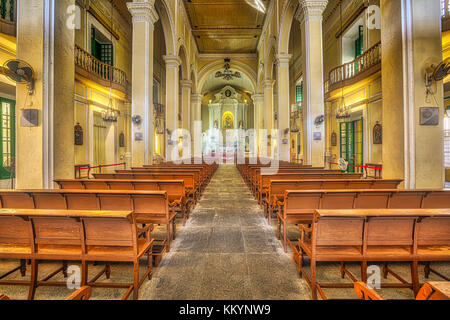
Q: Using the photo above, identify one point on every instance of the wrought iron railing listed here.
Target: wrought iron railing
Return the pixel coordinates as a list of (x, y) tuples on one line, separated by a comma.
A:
[(8, 10), (105, 72), (347, 71), (8, 17)]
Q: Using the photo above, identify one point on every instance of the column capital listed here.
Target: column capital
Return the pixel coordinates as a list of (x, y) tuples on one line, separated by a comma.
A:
[(186, 84), (268, 83), (283, 59), (258, 98), (311, 10), (172, 61), (143, 11), (196, 98)]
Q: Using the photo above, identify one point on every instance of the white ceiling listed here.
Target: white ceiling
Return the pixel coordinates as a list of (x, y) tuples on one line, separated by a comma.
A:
[(212, 83)]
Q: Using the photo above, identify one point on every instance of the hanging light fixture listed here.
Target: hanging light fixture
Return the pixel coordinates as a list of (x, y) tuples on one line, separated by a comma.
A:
[(111, 114), (342, 112), (227, 74)]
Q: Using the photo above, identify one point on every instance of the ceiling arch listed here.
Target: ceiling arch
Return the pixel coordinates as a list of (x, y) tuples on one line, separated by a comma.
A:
[(248, 75)]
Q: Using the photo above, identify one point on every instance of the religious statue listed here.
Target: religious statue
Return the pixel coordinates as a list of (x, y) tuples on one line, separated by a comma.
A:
[(216, 124)]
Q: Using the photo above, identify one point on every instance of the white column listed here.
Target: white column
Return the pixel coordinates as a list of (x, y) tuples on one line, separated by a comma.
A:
[(410, 39), (144, 17), (44, 40), (283, 105), (268, 105), (186, 90), (258, 106), (172, 69), (196, 116), (310, 17)]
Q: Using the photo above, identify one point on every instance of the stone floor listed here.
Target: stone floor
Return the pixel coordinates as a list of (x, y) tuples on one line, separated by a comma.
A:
[(226, 251)]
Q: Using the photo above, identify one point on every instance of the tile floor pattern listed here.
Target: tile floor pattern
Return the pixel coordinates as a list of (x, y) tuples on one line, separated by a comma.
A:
[(226, 251)]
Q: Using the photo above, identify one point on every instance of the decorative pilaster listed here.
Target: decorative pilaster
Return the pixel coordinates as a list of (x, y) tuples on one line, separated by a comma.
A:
[(144, 17), (268, 105), (196, 125), (310, 17), (258, 103), (172, 69), (186, 90), (282, 62)]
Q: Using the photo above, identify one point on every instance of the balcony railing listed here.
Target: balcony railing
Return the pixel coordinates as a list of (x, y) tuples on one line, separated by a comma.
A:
[(342, 74), (8, 17), (92, 68), (445, 13)]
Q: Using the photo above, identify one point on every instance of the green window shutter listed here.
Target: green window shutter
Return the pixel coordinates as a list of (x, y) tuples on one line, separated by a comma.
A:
[(299, 95), (106, 54), (7, 137), (93, 43), (3, 9)]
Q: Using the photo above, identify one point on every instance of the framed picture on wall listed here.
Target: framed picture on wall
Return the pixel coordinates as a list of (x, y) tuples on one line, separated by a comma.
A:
[(334, 139), (378, 134)]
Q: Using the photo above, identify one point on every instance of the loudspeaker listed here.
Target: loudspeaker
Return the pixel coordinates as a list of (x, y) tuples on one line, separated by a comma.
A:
[(29, 118)]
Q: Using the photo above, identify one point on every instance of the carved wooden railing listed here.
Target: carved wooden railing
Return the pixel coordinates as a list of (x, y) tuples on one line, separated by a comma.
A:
[(8, 16), (100, 70), (342, 73), (445, 14)]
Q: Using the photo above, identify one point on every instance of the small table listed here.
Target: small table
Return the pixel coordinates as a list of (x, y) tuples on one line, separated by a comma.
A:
[(377, 174), (78, 171)]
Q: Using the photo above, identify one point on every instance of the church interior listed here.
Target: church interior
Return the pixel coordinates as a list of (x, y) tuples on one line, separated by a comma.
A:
[(225, 150)]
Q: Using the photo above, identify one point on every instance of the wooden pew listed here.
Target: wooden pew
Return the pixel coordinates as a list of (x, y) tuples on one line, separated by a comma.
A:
[(263, 183), (429, 291), (178, 196), (81, 235), (151, 207), (369, 235), (298, 206), (191, 185), (277, 188), (84, 293)]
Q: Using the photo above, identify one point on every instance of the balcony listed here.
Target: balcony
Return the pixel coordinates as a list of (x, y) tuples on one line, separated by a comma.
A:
[(8, 17), (363, 66), (93, 69)]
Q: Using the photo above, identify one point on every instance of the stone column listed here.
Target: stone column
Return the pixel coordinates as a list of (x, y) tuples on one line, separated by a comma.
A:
[(186, 90), (144, 17), (411, 39), (310, 17), (196, 116), (172, 69), (268, 105), (283, 105), (44, 40), (258, 106)]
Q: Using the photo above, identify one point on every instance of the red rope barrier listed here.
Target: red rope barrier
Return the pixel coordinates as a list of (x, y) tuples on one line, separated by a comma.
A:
[(352, 165), (101, 166)]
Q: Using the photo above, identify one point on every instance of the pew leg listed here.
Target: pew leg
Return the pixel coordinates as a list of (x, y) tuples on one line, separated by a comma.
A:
[(33, 280), (136, 281), (313, 280), (150, 264), (174, 229), (364, 271), (183, 212), (427, 270), (84, 272), (415, 277), (285, 236), (278, 229), (385, 270), (300, 262), (269, 212), (23, 268), (108, 270), (64, 269), (342, 269), (168, 236)]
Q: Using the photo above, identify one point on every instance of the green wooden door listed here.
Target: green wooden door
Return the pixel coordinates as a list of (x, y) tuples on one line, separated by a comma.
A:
[(351, 143), (7, 136)]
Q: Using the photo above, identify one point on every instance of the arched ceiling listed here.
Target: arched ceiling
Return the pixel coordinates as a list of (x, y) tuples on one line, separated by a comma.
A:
[(212, 83)]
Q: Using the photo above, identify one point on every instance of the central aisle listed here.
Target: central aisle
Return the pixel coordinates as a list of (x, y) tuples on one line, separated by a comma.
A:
[(226, 251)]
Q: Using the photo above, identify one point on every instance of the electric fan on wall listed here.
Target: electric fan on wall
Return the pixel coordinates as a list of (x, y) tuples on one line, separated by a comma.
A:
[(20, 72), (343, 165)]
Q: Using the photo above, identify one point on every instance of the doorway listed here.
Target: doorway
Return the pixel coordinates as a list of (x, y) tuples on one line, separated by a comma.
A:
[(352, 139)]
